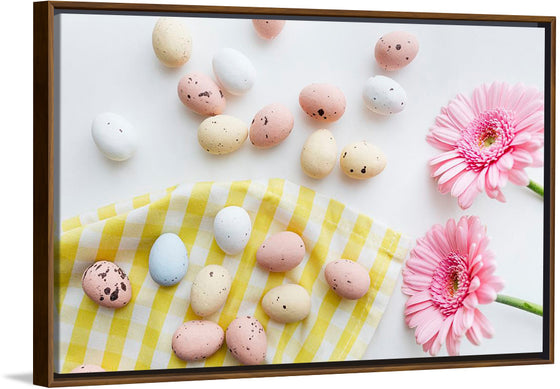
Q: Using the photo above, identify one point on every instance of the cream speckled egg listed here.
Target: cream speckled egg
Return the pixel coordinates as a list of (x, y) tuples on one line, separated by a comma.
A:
[(362, 160), (234, 71), (287, 303), (323, 102), (172, 42), (246, 340), (88, 369), (319, 153), (114, 136), (107, 284), (395, 50), (232, 229), (267, 28), (270, 126), (197, 339), (281, 252), (347, 278), (210, 290), (201, 94), (384, 95), (222, 134)]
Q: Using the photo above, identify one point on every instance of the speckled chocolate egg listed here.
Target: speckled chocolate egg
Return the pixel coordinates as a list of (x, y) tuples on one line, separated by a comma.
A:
[(323, 102), (88, 369), (362, 160), (172, 42), (347, 278), (270, 126), (201, 94), (234, 71), (395, 50), (210, 290), (107, 284), (197, 339), (267, 28), (287, 303), (246, 340), (319, 153), (281, 252), (384, 95), (222, 134)]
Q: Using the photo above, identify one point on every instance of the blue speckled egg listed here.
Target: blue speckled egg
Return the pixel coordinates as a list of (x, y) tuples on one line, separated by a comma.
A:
[(168, 260)]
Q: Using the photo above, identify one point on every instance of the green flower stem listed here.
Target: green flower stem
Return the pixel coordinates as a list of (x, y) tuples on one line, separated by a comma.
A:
[(538, 189), (521, 304)]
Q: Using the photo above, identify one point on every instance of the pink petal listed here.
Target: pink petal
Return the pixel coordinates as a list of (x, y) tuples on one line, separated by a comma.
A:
[(505, 162), (475, 283), (452, 173), (486, 294), (443, 157), (446, 166), (484, 324), (519, 177), (463, 182), (429, 329)]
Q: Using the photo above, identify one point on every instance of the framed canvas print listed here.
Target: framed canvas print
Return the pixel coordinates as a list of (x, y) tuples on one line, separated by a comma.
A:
[(243, 192)]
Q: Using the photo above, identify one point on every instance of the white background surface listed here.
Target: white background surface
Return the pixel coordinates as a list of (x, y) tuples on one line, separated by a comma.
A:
[(16, 162)]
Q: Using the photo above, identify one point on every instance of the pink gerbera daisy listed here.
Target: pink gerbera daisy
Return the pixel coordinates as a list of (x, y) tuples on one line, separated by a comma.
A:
[(487, 141), (449, 274)]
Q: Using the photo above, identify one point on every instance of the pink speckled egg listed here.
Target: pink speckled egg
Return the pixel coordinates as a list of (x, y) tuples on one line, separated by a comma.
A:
[(281, 252), (395, 50), (107, 285), (197, 339), (201, 94), (270, 126), (88, 369), (246, 340), (268, 29), (348, 279), (323, 102)]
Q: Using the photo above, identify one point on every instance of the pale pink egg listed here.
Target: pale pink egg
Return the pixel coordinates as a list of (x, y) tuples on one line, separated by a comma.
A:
[(107, 285), (395, 50), (197, 339), (281, 252), (323, 102), (268, 29), (270, 126), (201, 94), (88, 369), (246, 340), (348, 279)]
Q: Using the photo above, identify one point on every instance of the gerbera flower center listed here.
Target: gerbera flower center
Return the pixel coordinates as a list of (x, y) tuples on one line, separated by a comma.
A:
[(450, 284)]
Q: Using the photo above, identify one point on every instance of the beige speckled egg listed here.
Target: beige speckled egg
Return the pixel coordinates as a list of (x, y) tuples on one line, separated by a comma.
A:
[(246, 340), (347, 278), (172, 42), (281, 252), (270, 126), (323, 102), (201, 94), (287, 303), (210, 290), (107, 285), (222, 134), (88, 369), (267, 28), (395, 50), (197, 339), (319, 153), (362, 160)]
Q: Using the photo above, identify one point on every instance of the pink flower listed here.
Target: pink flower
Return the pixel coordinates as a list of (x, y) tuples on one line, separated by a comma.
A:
[(487, 141), (449, 274)]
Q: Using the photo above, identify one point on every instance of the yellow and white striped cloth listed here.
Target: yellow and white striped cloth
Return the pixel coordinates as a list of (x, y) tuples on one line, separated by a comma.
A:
[(138, 336)]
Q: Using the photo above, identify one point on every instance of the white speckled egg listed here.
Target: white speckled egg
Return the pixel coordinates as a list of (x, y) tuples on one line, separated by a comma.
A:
[(347, 278), (210, 290), (268, 28), (197, 339), (362, 160), (222, 134), (114, 136), (107, 284), (234, 71), (88, 369), (232, 229), (168, 260), (246, 340), (287, 303), (172, 42), (319, 154), (384, 95)]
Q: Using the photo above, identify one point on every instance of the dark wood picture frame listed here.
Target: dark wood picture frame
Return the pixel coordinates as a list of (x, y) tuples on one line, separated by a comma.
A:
[(43, 203)]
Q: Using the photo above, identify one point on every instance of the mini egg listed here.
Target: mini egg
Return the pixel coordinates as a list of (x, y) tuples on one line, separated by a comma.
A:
[(222, 134), (395, 50), (88, 369), (234, 71), (347, 278), (172, 42), (197, 339), (281, 252), (362, 160), (210, 290), (319, 154), (323, 102), (114, 136), (168, 260), (232, 229), (270, 126), (384, 95), (287, 303), (267, 28), (200, 93), (246, 340), (107, 284)]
